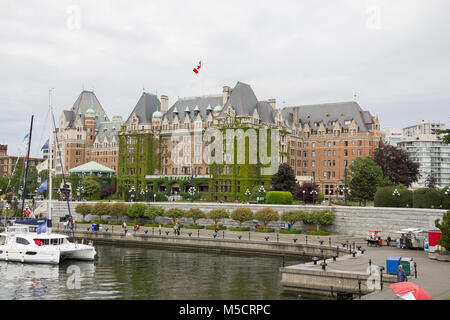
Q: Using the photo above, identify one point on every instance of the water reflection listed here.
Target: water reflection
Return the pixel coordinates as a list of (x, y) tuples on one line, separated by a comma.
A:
[(123, 272)]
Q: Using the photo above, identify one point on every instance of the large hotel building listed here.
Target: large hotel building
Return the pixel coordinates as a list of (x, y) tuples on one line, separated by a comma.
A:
[(318, 141)]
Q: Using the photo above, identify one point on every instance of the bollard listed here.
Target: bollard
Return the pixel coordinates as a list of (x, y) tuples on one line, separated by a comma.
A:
[(321, 242), (346, 245), (153, 231), (332, 291), (306, 239), (337, 251), (359, 288), (277, 236), (283, 260), (381, 277), (190, 234), (329, 241), (324, 265), (267, 238), (415, 270), (223, 234), (370, 265), (295, 240), (249, 236), (198, 233), (239, 237), (112, 229)]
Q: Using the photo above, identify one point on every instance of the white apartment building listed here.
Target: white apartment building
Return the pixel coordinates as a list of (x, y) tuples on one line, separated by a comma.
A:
[(424, 147)]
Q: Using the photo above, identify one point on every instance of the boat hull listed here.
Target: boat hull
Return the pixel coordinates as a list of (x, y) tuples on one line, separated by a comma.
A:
[(30, 256)]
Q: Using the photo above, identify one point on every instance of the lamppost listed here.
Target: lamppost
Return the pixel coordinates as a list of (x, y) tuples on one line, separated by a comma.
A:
[(132, 192), (314, 193), (80, 190), (396, 194), (154, 197), (261, 192), (248, 193), (304, 191), (142, 193), (192, 193), (346, 190)]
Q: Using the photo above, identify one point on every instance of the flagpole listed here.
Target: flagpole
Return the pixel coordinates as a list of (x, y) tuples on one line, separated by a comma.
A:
[(26, 166), (50, 155)]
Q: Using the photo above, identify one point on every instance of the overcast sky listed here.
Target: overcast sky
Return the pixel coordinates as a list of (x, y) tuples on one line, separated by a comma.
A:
[(393, 54)]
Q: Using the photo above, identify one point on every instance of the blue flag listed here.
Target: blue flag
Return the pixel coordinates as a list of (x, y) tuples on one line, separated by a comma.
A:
[(43, 186), (45, 146), (42, 228)]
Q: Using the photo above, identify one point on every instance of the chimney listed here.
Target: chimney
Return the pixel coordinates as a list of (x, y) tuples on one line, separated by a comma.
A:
[(164, 103), (273, 103), (296, 117), (225, 94)]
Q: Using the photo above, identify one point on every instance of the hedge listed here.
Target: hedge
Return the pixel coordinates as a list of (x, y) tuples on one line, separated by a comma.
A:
[(445, 198), (292, 231), (279, 197), (318, 233), (265, 230), (384, 198), (427, 198)]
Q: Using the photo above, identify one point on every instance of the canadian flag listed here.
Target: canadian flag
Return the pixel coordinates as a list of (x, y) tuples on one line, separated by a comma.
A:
[(198, 67)]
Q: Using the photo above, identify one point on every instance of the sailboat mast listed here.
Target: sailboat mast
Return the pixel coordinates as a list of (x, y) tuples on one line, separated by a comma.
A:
[(50, 155), (24, 192)]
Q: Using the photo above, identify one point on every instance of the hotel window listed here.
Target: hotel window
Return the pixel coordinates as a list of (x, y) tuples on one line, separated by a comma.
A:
[(353, 152), (305, 164), (313, 163), (359, 142), (346, 143), (359, 152), (313, 144), (345, 152), (313, 154)]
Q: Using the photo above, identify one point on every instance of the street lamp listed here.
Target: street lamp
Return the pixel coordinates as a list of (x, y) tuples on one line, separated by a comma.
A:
[(132, 192), (248, 193), (192, 192), (261, 192), (314, 193), (396, 194), (154, 197), (304, 191), (80, 190), (142, 193), (346, 190)]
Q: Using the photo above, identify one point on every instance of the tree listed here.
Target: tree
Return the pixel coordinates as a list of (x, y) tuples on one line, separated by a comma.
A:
[(445, 138), (242, 215), (308, 187), (91, 187), (119, 209), (109, 190), (445, 229), (137, 210), (101, 209), (175, 213), (396, 165), (153, 212), (292, 216), (218, 214), (83, 209), (284, 179), (195, 214), (430, 182), (267, 215), (366, 176)]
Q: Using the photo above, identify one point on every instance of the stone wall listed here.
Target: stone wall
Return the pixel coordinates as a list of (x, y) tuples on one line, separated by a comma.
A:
[(353, 221)]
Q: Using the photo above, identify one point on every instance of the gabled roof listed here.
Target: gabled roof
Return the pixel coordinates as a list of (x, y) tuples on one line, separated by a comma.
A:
[(148, 103), (340, 111), (201, 102), (85, 101), (112, 129)]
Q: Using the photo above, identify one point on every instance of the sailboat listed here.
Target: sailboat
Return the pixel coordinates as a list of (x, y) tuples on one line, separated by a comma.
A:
[(32, 240)]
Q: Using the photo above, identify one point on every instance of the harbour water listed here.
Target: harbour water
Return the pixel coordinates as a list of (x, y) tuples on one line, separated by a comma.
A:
[(131, 272)]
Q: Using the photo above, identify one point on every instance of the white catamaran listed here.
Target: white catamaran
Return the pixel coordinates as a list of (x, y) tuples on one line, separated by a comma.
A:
[(32, 240)]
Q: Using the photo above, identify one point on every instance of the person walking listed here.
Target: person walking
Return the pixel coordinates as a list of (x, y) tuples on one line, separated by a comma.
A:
[(401, 274)]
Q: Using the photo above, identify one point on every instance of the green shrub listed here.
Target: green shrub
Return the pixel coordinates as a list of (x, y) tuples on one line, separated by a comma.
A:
[(279, 197), (427, 198), (291, 231), (213, 228), (265, 230), (267, 215), (318, 233), (445, 197), (240, 229), (242, 215), (384, 197), (445, 229), (194, 227), (152, 225)]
